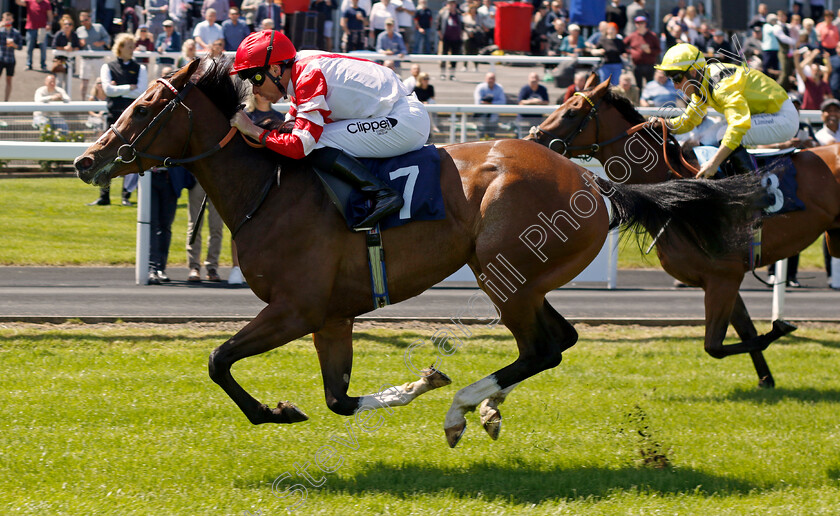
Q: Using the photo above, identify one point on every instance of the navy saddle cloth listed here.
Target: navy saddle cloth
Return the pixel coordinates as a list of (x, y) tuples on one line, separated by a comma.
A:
[(415, 175), (778, 176)]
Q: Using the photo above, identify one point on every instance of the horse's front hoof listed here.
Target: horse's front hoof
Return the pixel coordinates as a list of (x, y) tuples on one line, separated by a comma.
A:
[(435, 378), (454, 433), (783, 327), (766, 382), (492, 423), (287, 412)]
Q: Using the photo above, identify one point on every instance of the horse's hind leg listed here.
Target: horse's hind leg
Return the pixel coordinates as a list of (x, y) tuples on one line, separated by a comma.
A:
[(268, 330), (745, 328), (334, 343), (720, 300), (541, 335)]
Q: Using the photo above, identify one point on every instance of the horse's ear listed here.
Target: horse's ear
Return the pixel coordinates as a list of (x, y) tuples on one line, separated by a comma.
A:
[(591, 81), (180, 78), (602, 88)]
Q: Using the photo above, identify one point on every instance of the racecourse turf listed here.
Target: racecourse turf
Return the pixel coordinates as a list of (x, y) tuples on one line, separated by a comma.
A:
[(122, 419)]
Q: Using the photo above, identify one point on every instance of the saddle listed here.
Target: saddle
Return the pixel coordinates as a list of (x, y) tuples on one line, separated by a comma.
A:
[(778, 176), (416, 175)]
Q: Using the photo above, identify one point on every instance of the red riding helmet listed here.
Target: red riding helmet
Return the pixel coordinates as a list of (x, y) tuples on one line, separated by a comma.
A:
[(261, 49)]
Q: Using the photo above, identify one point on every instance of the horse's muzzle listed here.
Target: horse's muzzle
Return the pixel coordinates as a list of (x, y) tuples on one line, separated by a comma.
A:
[(84, 168)]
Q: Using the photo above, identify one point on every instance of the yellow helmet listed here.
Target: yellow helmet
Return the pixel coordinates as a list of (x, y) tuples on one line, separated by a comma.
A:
[(681, 57)]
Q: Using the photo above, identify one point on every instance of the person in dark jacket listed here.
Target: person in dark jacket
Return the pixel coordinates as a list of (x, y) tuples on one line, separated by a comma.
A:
[(123, 80), (167, 184)]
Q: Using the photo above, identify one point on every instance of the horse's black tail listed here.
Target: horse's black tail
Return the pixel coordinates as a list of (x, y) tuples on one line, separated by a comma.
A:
[(715, 215)]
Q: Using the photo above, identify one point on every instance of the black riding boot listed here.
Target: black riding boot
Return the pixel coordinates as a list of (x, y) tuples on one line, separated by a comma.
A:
[(104, 197), (739, 162), (385, 200), (126, 197)]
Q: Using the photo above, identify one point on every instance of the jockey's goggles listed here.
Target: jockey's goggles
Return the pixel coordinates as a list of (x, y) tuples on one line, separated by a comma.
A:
[(255, 75), (676, 76)]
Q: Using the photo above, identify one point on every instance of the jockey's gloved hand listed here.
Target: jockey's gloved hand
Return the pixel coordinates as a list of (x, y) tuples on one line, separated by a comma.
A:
[(656, 123)]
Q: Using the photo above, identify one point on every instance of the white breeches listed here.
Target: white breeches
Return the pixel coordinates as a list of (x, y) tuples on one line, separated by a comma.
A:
[(768, 128), (405, 129)]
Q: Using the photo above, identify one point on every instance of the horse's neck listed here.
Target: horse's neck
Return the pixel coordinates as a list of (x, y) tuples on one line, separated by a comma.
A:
[(234, 178), (642, 156)]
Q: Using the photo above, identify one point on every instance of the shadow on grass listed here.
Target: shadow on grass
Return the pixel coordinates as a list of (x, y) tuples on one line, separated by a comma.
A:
[(779, 394), (766, 396), (519, 483)]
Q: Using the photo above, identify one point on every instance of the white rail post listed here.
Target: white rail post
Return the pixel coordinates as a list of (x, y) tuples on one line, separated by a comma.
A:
[(835, 273), (453, 119), (612, 261), (463, 127), (779, 289), (144, 211)]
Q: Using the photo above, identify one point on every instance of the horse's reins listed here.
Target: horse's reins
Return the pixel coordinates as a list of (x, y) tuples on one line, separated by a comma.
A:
[(565, 148), (169, 162), (165, 113)]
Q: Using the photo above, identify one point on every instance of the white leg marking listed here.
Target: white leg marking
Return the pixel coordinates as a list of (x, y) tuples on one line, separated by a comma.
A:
[(468, 397)]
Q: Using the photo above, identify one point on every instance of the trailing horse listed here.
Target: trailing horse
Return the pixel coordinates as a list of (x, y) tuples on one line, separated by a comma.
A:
[(600, 124), (298, 256)]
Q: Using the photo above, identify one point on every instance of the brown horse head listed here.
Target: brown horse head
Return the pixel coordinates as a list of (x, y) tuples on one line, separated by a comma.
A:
[(119, 150), (576, 119)]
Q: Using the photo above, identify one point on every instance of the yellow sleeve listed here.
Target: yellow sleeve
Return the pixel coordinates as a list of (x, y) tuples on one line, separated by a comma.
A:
[(730, 98), (691, 117), (737, 113)]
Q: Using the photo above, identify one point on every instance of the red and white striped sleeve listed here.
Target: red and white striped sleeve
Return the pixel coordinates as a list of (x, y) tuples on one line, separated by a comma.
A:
[(310, 112)]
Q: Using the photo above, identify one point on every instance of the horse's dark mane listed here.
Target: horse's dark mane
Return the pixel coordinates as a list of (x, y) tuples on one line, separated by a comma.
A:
[(624, 107), (227, 94), (214, 80), (628, 111)]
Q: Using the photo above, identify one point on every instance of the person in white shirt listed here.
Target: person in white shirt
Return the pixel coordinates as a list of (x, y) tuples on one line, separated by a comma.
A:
[(487, 20), (830, 132), (379, 12), (411, 81), (208, 31), (49, 92), (405, 20)]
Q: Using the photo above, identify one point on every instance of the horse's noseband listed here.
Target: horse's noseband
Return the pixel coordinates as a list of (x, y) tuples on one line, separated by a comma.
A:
[(562, 145)]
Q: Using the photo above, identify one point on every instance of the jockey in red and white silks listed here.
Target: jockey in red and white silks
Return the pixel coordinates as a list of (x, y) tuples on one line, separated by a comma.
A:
[(342, 107), (344, 102), (352, 104)]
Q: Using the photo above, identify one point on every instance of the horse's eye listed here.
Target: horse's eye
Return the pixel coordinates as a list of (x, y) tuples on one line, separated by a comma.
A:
[(572, 113), (141, 111)]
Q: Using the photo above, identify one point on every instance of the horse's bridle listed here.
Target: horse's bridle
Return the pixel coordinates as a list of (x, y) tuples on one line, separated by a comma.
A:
[(133, 152), (540, 135), (563, 145)]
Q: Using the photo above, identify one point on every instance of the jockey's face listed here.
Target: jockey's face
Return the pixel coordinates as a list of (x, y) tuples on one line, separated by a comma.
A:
[(269, 90), (686, 82)]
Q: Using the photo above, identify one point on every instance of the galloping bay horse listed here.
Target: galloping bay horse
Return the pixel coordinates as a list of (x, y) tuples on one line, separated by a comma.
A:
[(298, 256), (603, 125)]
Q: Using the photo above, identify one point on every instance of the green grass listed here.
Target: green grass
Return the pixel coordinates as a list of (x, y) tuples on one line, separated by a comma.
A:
[(122, 419), (47, 223)]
